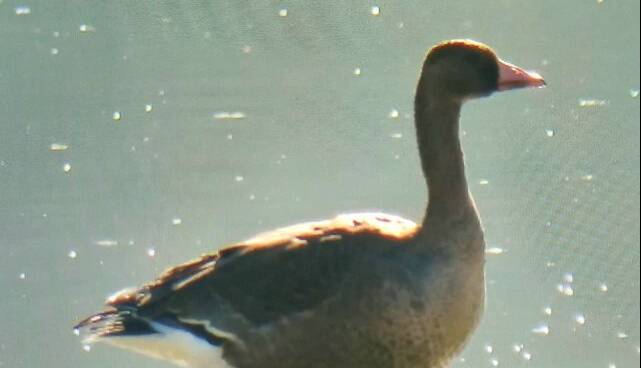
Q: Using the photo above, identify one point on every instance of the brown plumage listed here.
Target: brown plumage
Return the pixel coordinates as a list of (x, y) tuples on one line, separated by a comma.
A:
[(363, 290)]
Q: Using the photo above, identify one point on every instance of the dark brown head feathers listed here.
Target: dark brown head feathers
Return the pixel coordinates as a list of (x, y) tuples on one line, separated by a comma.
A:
[(463, 68)]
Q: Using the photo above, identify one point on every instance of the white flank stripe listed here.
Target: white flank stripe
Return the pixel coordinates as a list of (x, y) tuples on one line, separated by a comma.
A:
[(176, 346)]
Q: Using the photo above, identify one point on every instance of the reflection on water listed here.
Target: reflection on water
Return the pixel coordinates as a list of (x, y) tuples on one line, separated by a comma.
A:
[(136, 136)]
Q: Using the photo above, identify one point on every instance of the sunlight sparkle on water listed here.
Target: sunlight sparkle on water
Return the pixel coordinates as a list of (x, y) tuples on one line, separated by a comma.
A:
[(517, 348), (542, 330), (494, 251), (57, 147), (86, 28), (22, 10), (592, 103), (565, 289), (106, 243), (223, 115)]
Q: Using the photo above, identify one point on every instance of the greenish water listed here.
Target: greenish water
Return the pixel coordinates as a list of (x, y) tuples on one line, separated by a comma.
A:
[(556, 179)]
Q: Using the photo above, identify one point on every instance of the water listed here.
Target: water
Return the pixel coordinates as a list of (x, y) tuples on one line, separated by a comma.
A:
[(307, 100)]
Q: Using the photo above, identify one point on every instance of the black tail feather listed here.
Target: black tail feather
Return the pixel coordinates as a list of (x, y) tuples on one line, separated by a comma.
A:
[(120, 323), (114, 323)]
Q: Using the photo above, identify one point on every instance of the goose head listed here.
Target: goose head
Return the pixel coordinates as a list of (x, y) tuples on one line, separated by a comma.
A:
[(463, 69)]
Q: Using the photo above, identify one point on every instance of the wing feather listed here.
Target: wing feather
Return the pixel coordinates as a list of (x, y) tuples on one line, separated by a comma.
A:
[(261, 281)]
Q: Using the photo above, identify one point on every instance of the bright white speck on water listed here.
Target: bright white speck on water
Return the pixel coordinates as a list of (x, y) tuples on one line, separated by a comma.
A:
[(57, 147), (76, 331), (239, 178), (393, 114), (151, 252), (230, 137), (85, 28), (176, 221), (526, 356), (587, 177), (54, 51), (86, 347), (489, 349), (357, 71), (22, 276), (592, 103), (223, 115), (494, 362), (622, 335), (565, 289), (23, 10), (568, 277), (542, 330), (494, 251), (634, 93), (375, 10), (396, 135), (72, 254), (148, 108), (283, 12), (106, 243), (517, 348), (116, 116), (580, 319), (603, 287), (66, 167), (247, 49), (550, 133), (484, 182)]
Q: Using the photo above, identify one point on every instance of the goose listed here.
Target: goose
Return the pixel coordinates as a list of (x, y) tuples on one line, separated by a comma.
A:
[(356, 291)]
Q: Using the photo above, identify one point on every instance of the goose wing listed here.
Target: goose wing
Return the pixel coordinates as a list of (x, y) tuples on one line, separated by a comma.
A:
[(263, 280)]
